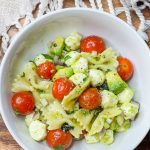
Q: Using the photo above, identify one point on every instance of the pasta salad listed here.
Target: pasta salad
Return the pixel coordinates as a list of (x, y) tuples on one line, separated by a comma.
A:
[(77, 90)]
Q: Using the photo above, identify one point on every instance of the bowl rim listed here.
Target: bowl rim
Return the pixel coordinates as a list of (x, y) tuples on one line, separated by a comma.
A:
[(30, 26)]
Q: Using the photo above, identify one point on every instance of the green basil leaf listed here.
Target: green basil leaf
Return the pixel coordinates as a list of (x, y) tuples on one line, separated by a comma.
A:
[(47, 56), (66, 127)]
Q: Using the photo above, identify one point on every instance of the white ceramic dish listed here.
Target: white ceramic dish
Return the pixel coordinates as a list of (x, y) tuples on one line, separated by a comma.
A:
[(33, 40)]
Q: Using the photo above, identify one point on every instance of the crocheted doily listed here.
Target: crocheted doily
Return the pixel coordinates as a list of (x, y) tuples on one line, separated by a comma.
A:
[(12, 10)]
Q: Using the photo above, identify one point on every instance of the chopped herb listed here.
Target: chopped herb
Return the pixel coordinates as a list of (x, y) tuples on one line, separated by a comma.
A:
[(23, 75), (97, 58), (108, 70), (40, 91), (69, 112), (85, 79), (59, 147), (98, 110), (33, 62), (86, 112), (67, 48), (55, 44), (67, 57), (66, 127), (47, 56), (104, 86)]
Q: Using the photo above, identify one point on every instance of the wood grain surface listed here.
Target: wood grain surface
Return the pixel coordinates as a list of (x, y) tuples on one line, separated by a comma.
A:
[(6, 140)]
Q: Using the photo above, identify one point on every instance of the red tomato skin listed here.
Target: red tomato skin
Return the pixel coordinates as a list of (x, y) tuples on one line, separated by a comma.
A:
[(125, 68), (90, 99), (58, 137), (23, 103), (62, 87), (92, 44), (46, 70)]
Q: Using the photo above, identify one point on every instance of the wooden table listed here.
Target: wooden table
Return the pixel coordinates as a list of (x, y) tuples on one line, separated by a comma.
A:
[(6, 140)]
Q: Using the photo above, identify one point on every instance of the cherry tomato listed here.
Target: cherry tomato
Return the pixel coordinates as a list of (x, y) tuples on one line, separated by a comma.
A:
[(90, 99), (92, 44), (23, 103), (59, 138), (125, 68), (62, 87), (46, 70)]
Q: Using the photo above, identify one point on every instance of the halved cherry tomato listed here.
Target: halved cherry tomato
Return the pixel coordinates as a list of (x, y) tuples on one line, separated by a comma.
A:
[(46, 70), (90, 99), (23, 103), (62, 87), (92, 44), (59, 139), (125, 68)]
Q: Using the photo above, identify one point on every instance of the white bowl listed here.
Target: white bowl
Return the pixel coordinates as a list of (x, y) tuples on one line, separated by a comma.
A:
[(33, 40)]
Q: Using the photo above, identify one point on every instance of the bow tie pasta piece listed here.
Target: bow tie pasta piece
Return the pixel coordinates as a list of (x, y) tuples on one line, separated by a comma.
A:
[(107, 55), (77, 128), (33, 78), (106, 61), (68, 102), (43, 97), (108, 137), (102, 58), (56, 121), (71, 57), (57, 107), (54, 116), (84, 117), (111, 112), (21, 84), (37, 98), (99, 122), (109, 66), (118, 126), (97, 125), (47, 96)]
